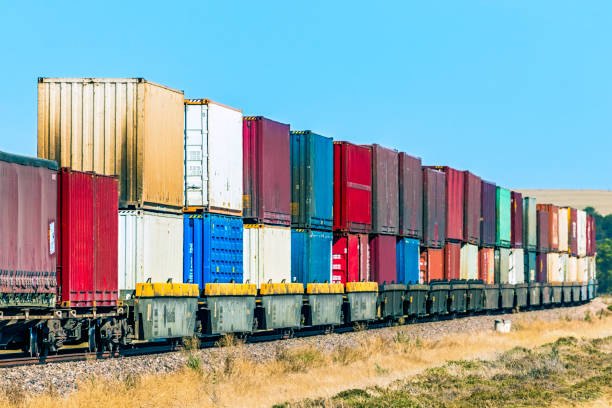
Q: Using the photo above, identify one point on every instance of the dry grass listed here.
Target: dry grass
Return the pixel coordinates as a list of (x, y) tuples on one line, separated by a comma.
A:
[(296, 374)]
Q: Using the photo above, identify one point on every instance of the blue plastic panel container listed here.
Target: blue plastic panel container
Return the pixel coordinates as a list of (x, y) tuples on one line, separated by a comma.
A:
[(212, 249), (408, 260), (311, 253), (312, 180)]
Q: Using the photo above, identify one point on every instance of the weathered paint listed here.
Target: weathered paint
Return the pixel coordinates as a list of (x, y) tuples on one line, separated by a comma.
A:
[(469, 262), (516, 269), (434, 208), (503, 218), (385, 191), (502, 265), (486, 265), (530, 237), (488, 218), (472, 208), (410, 196), (350, 258), (431, 264), (311, 256), (452, 260), (383, 262), (516, 220), (267, 254), (563, 229)]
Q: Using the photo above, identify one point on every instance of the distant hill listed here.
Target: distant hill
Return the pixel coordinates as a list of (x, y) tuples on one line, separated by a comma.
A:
[(601, 200)]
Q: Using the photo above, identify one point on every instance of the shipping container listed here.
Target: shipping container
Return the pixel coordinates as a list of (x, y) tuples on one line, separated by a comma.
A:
[(553, 225), (312, 181), (552, 267), (408, 253), (452, 260), (350, 258), (583, 270), (383, 262), (502, 265), (590, 235), (563, 267), (385, 191), (150, 247), (212, 249), (572, 269), (581, 228), (267, 171), (488, 228), (434, 204), (410, 196), (563, 229), (516, 220), (592, 267), (311, 256), (572, 231), (352, 188), (502, 217), (486, 265), (130, 127), (516, 268), (530, 266), (213, 157), (472, 208), (541, 267), (469, 262), (543, 231), (454, 193), (432, 264), (530, 227), (267, 254), (28, 232)]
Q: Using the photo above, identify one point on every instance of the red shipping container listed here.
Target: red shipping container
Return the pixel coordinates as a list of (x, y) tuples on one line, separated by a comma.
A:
[(472, 208), (383, 261), (516, 219), (410, 196), (542, 231), (541, 268), (454, 202), (352, 188), (590, 235), (553, 225), (350, 258), (106, 214), (266, 171), (573, 231), (452, 261), (432, 264), (486, 265), (385, 191), (434, 208), (488, 220), (28, 224)]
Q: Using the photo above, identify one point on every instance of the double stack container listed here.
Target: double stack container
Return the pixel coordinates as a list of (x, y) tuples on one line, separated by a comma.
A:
[(350, 258), (516, 268), (383, 262), (454, 203), (530, 237), (581, 235), (472, 208), (563, 230), (385, 191), (488, 229), (434, 208), (503, 218), (553, 225), (267, 254), (486, 265), (516, 220), (431, 264), (408, 253), (469, 262), (572, 234), (590, 236), (541, 267), (311, 256), (452, 261), (410, 196), (542, 231)]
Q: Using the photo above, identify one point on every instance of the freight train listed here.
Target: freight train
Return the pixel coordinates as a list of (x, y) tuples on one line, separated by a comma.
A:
[(152, 218)]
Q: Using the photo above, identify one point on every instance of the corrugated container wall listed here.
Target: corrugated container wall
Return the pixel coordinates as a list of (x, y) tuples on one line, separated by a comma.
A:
[(572, 269), (150, 247), (28, 220), (502, 265), (383, 262), (486, 265), (502, 216), (267, 254), (212, 249), (472, 208), (454, 202), (434, 204), (311, 256), (572, 235), (410, 196), (563, 229), (312, 180), (552, 267), (516, 270), (267, 171), (583, 271), (126, 127), (469, 261), (581, 228), (553, 225), (488, 229), (516, 220), (530, 224), (352, 188), (590, 235), (213, 156), (452, 260), (408, 255), (432, 264), (541, 267), (350, 258), (530, 266), (563, 267), (385, 191), (543, 235)]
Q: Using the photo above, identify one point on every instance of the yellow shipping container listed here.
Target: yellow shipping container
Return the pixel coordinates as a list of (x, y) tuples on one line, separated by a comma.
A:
[(130, 127)]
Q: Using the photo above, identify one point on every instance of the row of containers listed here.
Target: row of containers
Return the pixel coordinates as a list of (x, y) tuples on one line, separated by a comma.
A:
[(207, 195)]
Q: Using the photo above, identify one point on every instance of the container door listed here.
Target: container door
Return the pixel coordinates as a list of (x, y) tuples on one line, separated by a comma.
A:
[(339, 259), (364, 258), (321, 161), (318, 258), (300, 253), (196, 155)]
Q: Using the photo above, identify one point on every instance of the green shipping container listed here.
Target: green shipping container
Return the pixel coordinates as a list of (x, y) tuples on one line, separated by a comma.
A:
[(502, 212), (530, 238)]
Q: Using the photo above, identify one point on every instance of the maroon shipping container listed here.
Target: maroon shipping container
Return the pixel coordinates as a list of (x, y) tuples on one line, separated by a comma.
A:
[(553, 225), (590, 235), (542, 231), (452, 260), (87, 245), (28, 221), (541, 268), (516, 219), (572, 231), (472, 208), (350, 258), (454, 202), (488, 226), (434, 204), (410, 196), (267, 171), (385, 191), (352, 188), (383, 265)]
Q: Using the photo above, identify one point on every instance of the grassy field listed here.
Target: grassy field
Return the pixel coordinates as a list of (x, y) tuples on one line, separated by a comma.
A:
[(530, 365)]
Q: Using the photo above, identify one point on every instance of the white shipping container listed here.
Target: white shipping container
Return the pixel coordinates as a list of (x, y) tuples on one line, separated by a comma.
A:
[(267, 254), (563, 265), (581, 225), (150, 247), (572, 269), (563, 229), (213, 156), (516, 273), (552, 264), (583, 270), (592, 266), (469, 262)]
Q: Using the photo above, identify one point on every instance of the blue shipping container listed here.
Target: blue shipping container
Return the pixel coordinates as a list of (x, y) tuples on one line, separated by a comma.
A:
[(311, 253), (312, 180), (212, 249), (408, 260)]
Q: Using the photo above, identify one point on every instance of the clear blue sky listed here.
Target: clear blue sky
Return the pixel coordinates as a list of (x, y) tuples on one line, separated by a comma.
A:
[(519, 92)]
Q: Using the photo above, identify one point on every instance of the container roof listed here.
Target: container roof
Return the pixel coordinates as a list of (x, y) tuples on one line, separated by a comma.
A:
[(27, 161)]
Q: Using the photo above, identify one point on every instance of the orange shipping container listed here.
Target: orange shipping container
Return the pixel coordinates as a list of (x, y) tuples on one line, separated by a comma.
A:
[(553, 224), (432, 264), (486, 265)]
